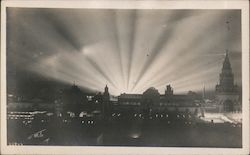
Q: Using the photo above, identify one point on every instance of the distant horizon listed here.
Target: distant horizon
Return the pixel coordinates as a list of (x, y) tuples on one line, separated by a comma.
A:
[(63, 85)]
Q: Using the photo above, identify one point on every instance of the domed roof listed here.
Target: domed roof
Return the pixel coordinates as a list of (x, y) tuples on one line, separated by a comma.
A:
[(151, 91), (151, 95)]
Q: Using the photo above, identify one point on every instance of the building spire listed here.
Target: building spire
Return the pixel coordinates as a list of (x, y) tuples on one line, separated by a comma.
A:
[(227, 57), (226, 63), (204, 92), (226, 76), (106, 89)]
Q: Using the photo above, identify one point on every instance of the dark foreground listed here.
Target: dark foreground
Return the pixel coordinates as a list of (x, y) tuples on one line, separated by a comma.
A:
[(121, 132)]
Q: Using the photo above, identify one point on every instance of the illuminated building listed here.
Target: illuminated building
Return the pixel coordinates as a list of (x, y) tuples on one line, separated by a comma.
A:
[(152, 100), (227, 93)]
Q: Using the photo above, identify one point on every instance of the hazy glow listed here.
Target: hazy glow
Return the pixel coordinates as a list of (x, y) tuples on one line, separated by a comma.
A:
[(129, 50), (135, 136)]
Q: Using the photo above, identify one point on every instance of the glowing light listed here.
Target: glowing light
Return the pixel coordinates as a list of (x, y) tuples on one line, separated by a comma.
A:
[(135, 135), (132, 50)]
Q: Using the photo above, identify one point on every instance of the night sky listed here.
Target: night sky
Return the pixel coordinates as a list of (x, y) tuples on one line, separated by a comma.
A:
[(129, 50)]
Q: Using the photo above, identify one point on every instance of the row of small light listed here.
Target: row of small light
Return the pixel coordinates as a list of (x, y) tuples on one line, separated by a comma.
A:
[(83, 121), (19, 112), (66, 121), (156, 115), (116, 114), (236, 125), (26, 122), (13, 115), (29, 118), (88, 122)]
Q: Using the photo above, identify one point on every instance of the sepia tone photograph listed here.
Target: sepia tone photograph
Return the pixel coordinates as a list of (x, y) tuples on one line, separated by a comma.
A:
[(112, 77)]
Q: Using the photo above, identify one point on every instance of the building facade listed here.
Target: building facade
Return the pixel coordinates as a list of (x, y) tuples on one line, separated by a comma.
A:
[(152, 101)]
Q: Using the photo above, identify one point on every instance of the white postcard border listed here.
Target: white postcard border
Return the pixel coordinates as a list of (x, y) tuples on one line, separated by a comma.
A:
[(243, 5)]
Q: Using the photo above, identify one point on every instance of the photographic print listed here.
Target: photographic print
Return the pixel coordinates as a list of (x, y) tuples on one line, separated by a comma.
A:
[(111, 77)]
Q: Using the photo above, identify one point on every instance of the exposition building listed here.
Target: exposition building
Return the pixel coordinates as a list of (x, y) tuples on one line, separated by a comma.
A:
[(151, 101)]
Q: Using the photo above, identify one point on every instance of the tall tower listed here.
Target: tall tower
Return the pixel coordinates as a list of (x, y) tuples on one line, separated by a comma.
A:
[(106, 94), (227, 93), (169, 91), (106, 102)]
